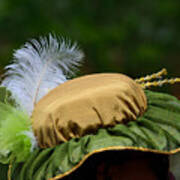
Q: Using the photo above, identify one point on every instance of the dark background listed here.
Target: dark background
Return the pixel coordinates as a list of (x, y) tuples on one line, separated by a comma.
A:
[(132, 37)]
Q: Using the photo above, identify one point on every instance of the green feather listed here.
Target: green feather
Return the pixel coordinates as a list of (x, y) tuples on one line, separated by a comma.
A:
[(16, 137)]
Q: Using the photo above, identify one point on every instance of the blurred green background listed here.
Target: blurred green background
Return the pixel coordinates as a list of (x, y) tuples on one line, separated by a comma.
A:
[(132, 37)]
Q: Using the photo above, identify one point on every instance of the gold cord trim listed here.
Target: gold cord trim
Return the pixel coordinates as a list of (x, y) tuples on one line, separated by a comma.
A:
[(60, 176), (153, 76), (160, 83), (145, 82)]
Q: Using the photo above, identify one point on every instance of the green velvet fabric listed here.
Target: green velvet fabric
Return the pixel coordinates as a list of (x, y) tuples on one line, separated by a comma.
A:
[(158, 129), (3, 171)]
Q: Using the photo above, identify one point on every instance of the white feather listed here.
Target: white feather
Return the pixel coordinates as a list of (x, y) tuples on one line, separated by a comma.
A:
[(40, 66)]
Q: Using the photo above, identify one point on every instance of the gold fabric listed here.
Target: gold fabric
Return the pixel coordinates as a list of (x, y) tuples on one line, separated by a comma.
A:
[(83, 105)]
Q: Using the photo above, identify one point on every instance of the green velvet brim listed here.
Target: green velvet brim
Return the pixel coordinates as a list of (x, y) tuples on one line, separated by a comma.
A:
[(157, 131)]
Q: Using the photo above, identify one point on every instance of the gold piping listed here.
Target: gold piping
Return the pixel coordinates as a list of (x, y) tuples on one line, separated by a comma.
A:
[(9, 171), (109, 149)]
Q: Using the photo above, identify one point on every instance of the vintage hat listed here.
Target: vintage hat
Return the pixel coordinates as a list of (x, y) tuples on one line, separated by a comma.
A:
[(51, 124)]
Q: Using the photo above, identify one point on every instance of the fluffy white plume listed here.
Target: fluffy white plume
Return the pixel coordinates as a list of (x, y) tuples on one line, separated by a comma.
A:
[(40, 66)]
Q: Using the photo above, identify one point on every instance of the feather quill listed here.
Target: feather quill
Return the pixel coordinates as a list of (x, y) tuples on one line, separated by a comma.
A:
[(40, 66)]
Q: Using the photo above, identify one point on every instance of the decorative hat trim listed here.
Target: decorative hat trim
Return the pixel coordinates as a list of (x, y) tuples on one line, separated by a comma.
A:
[(157, 131), (38, 69), (113, 148)]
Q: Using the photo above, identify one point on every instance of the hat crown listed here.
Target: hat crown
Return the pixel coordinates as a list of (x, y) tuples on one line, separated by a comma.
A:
[(83, 105)]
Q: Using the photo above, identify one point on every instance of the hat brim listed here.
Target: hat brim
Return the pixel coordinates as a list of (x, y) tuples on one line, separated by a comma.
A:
[(157, 131)]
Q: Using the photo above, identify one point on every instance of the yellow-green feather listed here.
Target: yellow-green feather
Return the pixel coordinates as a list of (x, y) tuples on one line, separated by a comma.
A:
[(15, 127)]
